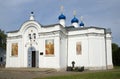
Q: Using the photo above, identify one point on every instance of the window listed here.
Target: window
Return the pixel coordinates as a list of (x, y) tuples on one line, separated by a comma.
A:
[(34, 35), (30, 36)]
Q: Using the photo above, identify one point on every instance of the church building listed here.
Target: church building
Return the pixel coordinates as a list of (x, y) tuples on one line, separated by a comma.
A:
[(57, 45)]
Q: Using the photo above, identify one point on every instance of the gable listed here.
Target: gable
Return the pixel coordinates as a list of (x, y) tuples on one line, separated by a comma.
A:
[(28, 25)]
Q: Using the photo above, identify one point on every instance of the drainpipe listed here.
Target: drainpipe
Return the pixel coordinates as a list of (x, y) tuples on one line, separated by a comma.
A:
[(105, 49)]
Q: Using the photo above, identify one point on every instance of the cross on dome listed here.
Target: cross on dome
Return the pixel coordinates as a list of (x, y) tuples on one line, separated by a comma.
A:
[(81, 18), (62, 9), (61, 16), (74, 12), (74, 20)]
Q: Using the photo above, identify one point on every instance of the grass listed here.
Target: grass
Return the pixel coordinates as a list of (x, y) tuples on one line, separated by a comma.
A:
[(108, 74)]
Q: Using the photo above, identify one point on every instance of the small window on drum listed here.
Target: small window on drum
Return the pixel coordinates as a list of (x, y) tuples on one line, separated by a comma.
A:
[(34, 35), (30, 36)]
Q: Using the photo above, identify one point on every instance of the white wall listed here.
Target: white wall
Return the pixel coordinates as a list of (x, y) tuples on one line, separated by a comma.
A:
[(97, 57), (109, 51), (93, 48), (63, 52), (49, 61), (24, 44), (13, 61), (92, 40), (82, 59)]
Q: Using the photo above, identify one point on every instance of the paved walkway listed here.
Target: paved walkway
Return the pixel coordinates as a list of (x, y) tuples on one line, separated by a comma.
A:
[(24, 73), (28, 73)]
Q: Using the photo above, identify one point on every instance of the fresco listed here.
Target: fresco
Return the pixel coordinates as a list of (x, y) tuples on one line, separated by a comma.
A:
[(14, 49), (49, 47), (78, 48)]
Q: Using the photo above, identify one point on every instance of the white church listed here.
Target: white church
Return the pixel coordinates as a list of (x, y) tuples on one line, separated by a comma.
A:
[(57, 45)]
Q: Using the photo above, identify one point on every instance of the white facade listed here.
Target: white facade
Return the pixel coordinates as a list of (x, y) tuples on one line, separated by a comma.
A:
[(57, 46)]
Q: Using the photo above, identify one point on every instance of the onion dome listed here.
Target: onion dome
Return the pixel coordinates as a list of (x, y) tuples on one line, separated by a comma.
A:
[(62, 16), (74, 20), (81, 24)]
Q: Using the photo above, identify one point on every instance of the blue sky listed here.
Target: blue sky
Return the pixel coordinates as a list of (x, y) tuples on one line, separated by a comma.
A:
[(99, 13)]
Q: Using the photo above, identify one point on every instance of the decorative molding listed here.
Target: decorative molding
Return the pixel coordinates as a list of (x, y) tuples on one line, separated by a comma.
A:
[(51, 33), (109, 38), (88, 34), (14, 37), (48, 33)]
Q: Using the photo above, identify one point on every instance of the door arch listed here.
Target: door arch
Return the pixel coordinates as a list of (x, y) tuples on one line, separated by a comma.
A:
[(31, 57)]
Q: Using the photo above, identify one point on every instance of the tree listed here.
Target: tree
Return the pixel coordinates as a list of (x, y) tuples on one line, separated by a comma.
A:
[(2, 39), (116, 54)]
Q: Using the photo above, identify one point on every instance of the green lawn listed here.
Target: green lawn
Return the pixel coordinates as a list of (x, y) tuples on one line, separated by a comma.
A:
[(109, 74)]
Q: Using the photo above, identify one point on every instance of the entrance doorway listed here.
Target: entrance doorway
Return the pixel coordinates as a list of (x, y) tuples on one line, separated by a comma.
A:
[(33, 59)]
